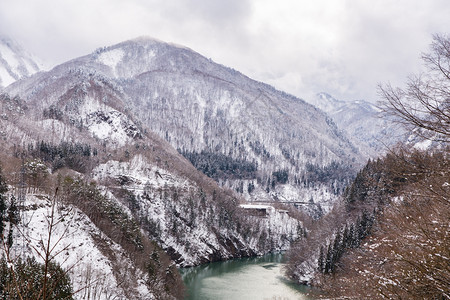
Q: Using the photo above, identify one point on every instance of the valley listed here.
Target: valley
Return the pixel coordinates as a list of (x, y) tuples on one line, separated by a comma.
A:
[(76, 146), (123, 165)]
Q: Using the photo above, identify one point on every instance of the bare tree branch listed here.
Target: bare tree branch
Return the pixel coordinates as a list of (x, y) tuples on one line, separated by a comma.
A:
[(423, 106)]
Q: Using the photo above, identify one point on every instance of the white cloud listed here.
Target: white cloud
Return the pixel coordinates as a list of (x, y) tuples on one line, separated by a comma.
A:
[(343, 47)]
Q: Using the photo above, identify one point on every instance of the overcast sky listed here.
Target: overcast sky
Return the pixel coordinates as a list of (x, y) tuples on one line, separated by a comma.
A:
[(303, 47)]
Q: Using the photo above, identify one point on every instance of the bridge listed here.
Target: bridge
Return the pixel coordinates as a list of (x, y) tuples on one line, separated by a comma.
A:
[(285, 202)]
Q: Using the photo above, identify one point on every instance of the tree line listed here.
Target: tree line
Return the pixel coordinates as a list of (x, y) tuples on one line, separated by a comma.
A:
[(221, 166), (73, 155)]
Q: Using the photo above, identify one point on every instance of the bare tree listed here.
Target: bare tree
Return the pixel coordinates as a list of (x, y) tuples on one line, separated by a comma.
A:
[(424, 105), (50, 281)]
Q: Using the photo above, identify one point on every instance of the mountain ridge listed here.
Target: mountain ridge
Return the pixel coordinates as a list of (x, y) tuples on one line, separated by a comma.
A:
[(362, 121)]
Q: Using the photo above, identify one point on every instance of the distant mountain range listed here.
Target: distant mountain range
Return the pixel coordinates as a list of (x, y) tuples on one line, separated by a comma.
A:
[(362, 122)]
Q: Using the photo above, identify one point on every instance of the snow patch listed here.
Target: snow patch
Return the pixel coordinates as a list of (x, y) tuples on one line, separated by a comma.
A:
[(423, 145), (5, 78), (7, 54), (111, 58), (112, 126), (14, 62), (140, 173)]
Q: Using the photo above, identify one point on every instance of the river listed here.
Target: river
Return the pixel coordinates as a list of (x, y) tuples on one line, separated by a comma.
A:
[(242, 279)]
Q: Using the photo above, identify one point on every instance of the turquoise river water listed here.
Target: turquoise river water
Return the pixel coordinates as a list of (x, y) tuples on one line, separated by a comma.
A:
[(242, 279)]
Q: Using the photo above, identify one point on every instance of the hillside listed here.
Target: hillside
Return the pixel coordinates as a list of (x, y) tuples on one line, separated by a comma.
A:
[(145, 184), (124, 196), (388, 237), (215, 116)]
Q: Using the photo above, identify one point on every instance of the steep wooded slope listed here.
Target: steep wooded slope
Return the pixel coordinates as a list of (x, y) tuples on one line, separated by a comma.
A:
[(76, 128), (293, 151), (389, 237)]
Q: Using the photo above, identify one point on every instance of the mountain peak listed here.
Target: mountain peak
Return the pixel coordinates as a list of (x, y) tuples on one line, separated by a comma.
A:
[(325, 101), (146, 40), (141, 55), (201, 108), (359, 119)]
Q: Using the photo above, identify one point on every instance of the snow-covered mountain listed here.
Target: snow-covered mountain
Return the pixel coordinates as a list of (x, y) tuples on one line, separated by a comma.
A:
[(261, 142), (127, 134), (361, 121), (131, 194), (15, 62)]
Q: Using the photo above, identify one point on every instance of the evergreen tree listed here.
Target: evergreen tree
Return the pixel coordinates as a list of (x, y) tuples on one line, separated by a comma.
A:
[(13, 212), (328, 260), (13, 218), (25, 281), (357, 232), (9, 241), (351, 236), (250, 187), (3, 190), (364, 225), (320, 261), (345, 238), (337, 250)]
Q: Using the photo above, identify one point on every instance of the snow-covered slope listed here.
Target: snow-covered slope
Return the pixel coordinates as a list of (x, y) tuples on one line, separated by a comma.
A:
[(182, 222), (131, 163), (140, 177), (15, 62), (75, 245)]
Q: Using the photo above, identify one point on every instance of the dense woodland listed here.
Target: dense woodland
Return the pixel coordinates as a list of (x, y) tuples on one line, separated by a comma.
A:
[(217, 165), (401, 250)]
